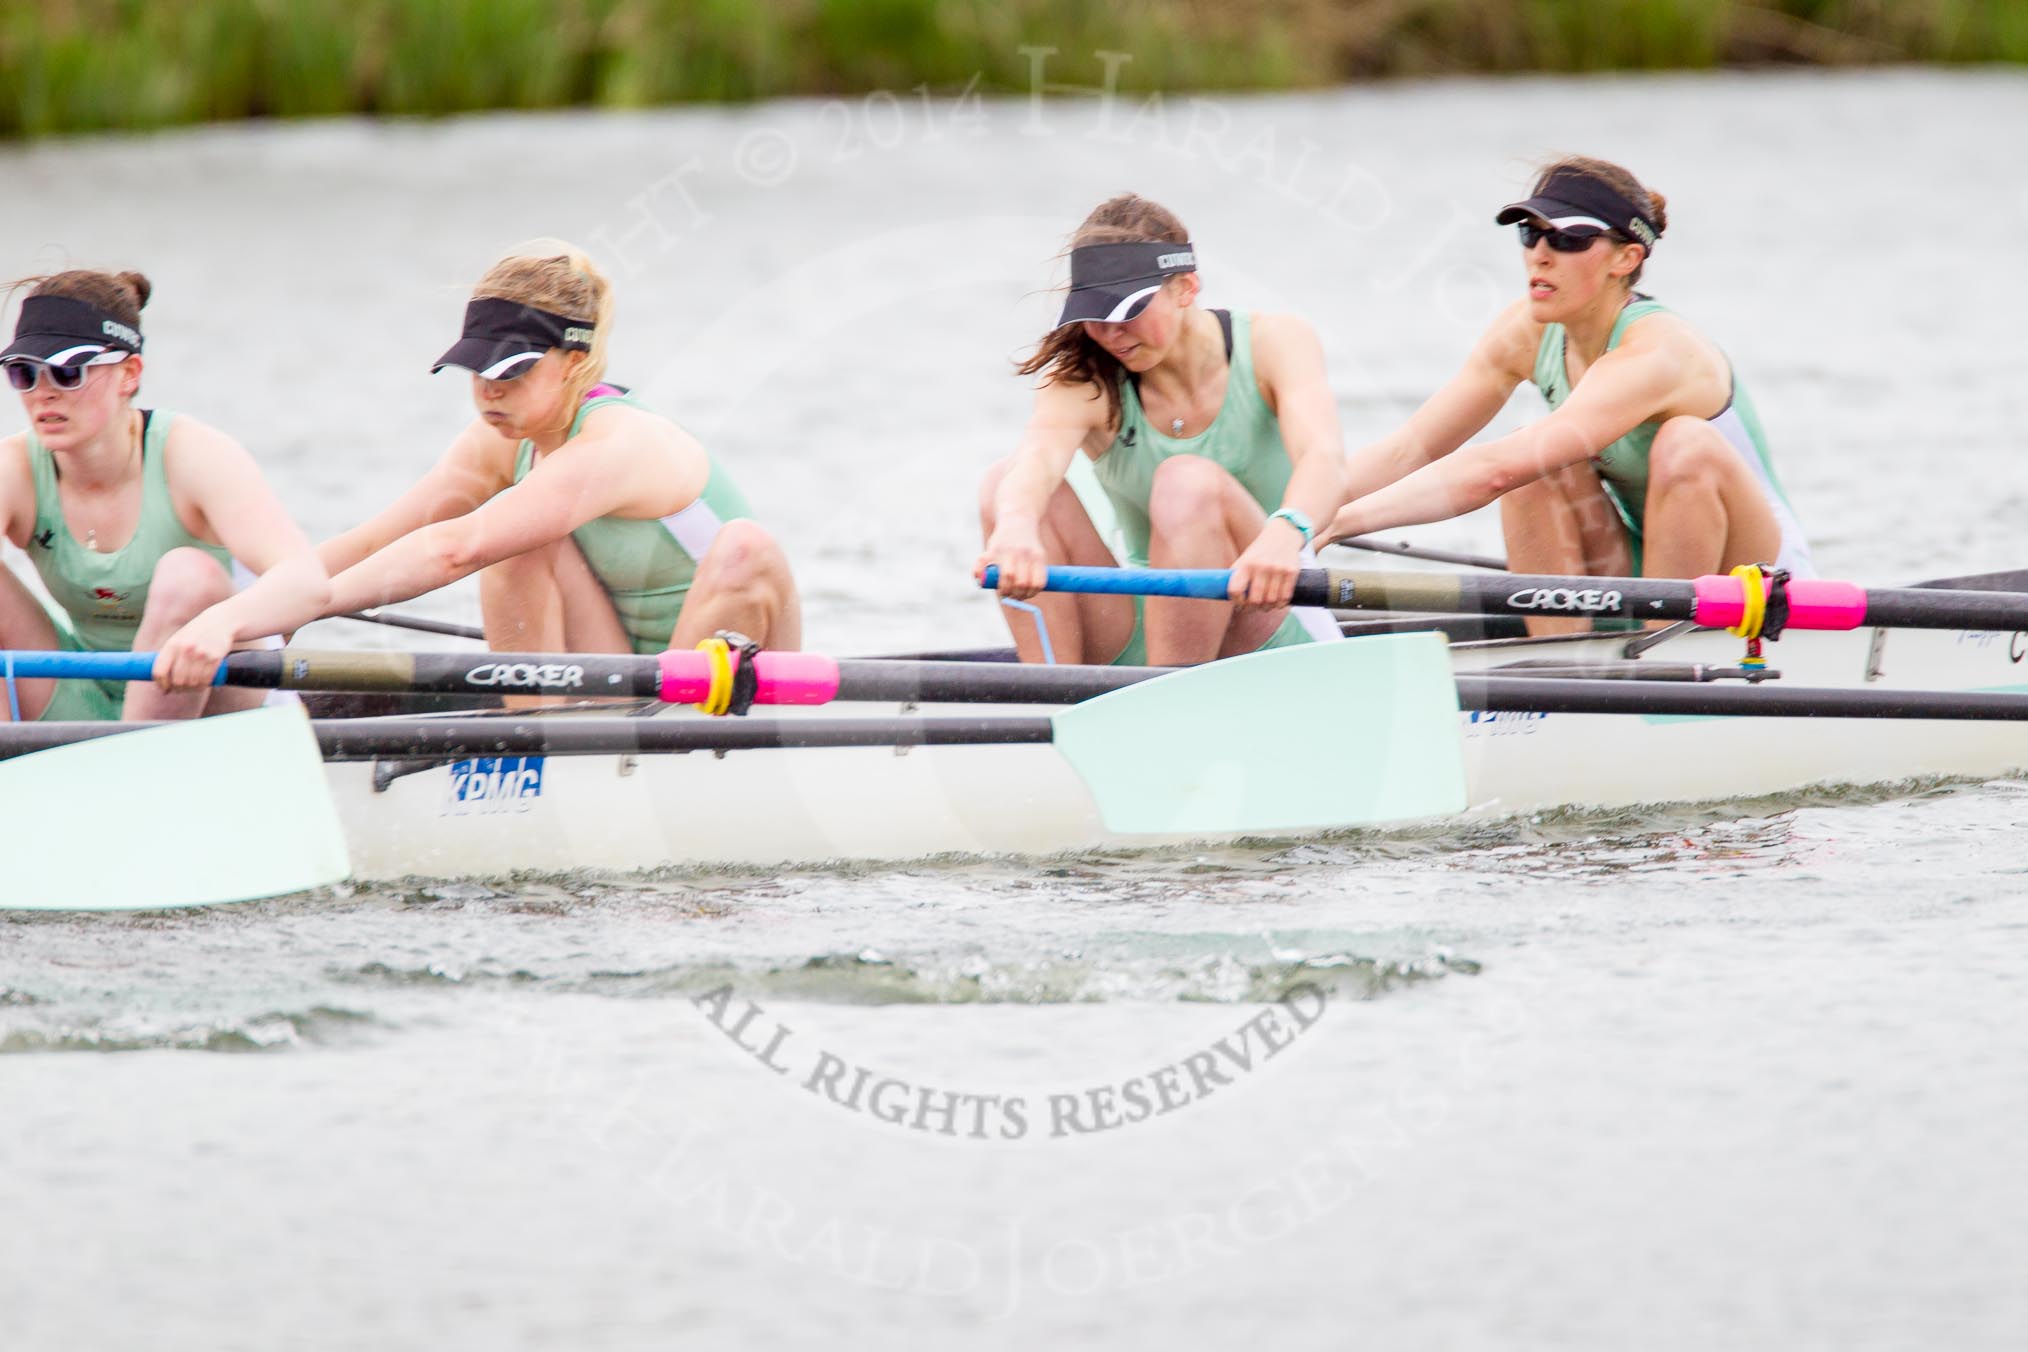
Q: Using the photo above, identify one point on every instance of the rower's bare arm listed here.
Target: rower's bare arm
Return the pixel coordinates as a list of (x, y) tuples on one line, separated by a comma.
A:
[(478, 464), (1639, 381), (221, 495), (17, 490), (1290, 362), (605, 470), (1503, 357), (1066, 418), (1623, 388)]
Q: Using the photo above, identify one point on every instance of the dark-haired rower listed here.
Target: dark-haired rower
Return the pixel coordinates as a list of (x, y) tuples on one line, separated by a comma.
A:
[(142, 523), (1651, 460), (1214, 434)]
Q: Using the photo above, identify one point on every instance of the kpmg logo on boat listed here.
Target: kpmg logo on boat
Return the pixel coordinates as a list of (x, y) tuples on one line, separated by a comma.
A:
[(1502, 722), (491, 784)]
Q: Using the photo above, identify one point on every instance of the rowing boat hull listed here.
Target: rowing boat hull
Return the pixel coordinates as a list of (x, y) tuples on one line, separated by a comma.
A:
[(758, 808)]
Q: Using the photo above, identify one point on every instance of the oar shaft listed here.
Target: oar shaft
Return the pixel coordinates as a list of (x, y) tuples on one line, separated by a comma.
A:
[(394, 738), (1716, 602), (623, 736), (979, 682), (1424, 552), (371, 670), (1351, 589), (677, 677), (1513, 594), (1519, 694), (582, 675), (1713, 601), (685, 677), (420, 624), (352, 739)]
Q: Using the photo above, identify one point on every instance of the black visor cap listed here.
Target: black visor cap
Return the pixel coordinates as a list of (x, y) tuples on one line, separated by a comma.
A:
[(1111, 283), (66, 332), (502, 336), (1574, 201)]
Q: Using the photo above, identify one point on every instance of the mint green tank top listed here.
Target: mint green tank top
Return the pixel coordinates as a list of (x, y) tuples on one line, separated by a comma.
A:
[(646, 566), (1623, 465), (1245, 439), (104, 592)]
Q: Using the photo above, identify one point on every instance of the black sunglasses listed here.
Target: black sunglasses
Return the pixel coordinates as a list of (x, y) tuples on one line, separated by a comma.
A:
[(1563, 241), (23, 375)]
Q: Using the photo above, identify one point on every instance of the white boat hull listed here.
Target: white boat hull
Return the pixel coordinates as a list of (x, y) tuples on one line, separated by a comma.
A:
[(797, 806)]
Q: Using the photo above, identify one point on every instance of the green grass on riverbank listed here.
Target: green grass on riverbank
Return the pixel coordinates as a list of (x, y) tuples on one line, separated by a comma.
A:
[(88, 65)]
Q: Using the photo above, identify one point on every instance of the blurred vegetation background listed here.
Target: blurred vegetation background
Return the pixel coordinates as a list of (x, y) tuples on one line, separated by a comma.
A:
[(88, 65)]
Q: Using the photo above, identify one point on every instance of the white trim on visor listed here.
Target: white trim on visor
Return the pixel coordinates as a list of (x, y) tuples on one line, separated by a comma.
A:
[(1124, 311), (84, 354), (1565, 222), (499, 369)]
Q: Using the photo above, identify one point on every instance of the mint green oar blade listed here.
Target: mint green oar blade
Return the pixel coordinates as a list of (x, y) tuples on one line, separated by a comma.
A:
[(1325, 734), (211, 810)]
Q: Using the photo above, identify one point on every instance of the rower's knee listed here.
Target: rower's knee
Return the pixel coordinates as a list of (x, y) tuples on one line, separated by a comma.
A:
[(516, 572), (1527, 502), (185, 582), (1687, 453), (1188, 490), (743, 558)]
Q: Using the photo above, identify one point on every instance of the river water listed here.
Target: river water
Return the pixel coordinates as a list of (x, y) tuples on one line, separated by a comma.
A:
[(1744, 1075)]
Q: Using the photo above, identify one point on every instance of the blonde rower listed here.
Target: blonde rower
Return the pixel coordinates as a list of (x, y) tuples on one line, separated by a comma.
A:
[(594, 524)]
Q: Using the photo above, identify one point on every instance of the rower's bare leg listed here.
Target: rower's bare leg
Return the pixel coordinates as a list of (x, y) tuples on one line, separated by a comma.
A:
[(185, 583), (1706, 510), (1082, 628), (1199, 517), (743, 583), (547, 600), (25, 625), (1564, 524)]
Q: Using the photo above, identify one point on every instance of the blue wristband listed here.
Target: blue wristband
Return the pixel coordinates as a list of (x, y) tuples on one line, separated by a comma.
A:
[(1294, 518)]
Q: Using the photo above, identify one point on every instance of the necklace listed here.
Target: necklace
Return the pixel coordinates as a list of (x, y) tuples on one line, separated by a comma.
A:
[(1175, 427), (91, 541)]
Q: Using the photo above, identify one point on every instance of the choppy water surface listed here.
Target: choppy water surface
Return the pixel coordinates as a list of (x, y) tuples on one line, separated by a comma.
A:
[(1746, 1075)]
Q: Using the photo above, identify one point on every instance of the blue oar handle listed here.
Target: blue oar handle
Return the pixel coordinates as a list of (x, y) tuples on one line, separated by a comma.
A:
[(1202, 584), (34, 666)]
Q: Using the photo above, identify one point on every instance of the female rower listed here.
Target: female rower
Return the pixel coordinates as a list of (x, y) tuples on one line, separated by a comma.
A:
[(1214, 434), (134, 518), (594, 524), (1651, 460)]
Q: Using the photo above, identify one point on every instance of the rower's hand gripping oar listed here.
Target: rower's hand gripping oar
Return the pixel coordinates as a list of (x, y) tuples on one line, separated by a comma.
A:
[(1331, 734), (181, 814)]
